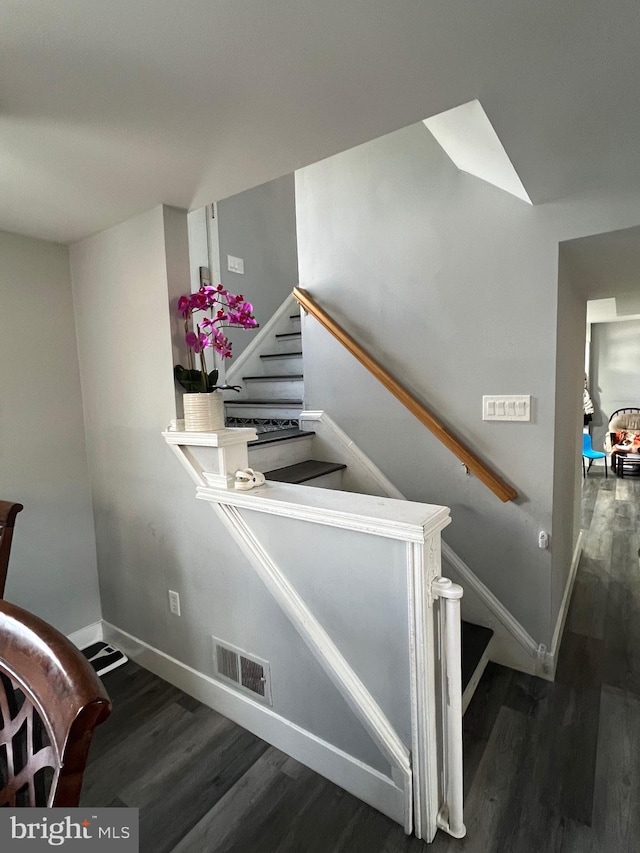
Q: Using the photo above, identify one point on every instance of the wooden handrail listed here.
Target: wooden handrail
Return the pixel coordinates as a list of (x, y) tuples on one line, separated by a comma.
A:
[(475, 465)]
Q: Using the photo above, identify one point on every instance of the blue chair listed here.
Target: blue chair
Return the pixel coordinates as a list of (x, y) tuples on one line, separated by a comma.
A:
[(589, 453)]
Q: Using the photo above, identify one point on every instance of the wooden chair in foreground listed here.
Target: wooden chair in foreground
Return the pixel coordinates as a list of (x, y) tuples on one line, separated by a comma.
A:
[(8, 512), (50, 702)]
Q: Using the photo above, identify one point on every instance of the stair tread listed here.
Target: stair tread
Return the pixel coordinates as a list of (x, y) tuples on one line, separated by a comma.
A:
[(280, 377), (475, 639), (303, 471), (262, 402), (282, 354), (279, 435)]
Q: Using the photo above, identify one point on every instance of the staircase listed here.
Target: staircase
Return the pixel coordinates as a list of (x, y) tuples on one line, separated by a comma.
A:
[(271, 401)]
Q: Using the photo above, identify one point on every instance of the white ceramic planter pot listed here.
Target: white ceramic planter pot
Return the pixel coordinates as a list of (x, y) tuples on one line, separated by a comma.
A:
[(203, 412)]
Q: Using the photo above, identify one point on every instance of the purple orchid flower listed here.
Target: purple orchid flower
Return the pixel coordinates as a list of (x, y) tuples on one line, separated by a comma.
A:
[(197, 342)]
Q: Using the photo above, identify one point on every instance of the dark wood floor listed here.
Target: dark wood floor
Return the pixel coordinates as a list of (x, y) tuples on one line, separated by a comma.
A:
[(549, 768)]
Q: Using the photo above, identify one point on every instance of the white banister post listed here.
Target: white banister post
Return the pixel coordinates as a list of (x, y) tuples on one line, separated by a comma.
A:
[(213, 457), (450, 818)]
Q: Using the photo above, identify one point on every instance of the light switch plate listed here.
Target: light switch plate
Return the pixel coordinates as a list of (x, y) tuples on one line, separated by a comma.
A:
[(506, 407), (235, 264)]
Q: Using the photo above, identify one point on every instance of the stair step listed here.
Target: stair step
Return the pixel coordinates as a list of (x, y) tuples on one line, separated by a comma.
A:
[(475, 642), (264, 409), (282, 362), (302, 472), (281, 447), (256, 402), (273, 387), (286, 342), (269, 355), (263, 425), (279, 435), (275, 378)]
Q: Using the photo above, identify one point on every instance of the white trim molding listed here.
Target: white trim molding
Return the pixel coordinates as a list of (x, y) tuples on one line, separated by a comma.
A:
[(550, 658), (360, 779), (84, 637)]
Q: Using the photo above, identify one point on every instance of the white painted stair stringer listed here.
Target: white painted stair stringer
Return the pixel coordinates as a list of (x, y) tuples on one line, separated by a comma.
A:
[(511, 644)]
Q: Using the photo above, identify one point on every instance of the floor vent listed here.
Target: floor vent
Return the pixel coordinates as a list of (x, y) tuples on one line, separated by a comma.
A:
[(248, 673)]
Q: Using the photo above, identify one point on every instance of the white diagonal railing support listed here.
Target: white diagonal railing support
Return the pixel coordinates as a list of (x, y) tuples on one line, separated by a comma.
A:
[(326, 652), (450, 818)]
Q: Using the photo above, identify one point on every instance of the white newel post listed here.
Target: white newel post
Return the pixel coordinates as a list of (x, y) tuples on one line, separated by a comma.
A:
[(212, 458), (450, 818)]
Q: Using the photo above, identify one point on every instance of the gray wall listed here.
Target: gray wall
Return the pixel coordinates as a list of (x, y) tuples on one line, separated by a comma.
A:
[(152, 533), (259, 225), (43, 457), (453, 285), (614, 372)]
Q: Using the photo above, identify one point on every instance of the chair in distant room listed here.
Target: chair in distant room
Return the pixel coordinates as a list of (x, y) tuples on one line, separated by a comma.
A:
[(589, 453), (623, 441), (8, 512), (51, 700)]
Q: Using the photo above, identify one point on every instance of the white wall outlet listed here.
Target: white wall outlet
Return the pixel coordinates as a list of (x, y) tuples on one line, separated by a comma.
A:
[(174, 603), (543, 539), (506, 407), (235, 264)]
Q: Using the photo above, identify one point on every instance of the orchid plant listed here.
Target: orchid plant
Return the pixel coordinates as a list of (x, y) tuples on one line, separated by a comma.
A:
[(221, 310)]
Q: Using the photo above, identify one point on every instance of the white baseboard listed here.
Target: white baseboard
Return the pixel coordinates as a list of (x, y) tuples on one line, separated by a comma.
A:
[(84, 637), (364, 782), (551, 657)]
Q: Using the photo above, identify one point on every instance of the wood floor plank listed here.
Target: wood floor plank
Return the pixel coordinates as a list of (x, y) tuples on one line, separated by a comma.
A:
[(622, 638), (616, 819), (203, 732), (480, 717), (230, 812), (128, 759), (599, 538), (493, 803), (588, 609), (195, 788), (590, 489)]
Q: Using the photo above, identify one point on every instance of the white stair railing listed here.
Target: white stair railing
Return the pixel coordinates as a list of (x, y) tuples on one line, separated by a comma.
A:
[(403, 539), (450, 816)]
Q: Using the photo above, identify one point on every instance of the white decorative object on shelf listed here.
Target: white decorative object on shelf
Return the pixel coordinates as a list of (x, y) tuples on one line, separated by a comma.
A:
[(203, 412), (247, 479)]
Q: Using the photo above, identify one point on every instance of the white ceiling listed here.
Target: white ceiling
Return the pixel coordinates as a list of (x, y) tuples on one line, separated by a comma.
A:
[(108, 108)]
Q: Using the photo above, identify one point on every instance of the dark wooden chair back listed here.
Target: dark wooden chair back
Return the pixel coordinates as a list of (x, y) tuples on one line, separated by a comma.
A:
[(50, 702), (8, 512)]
